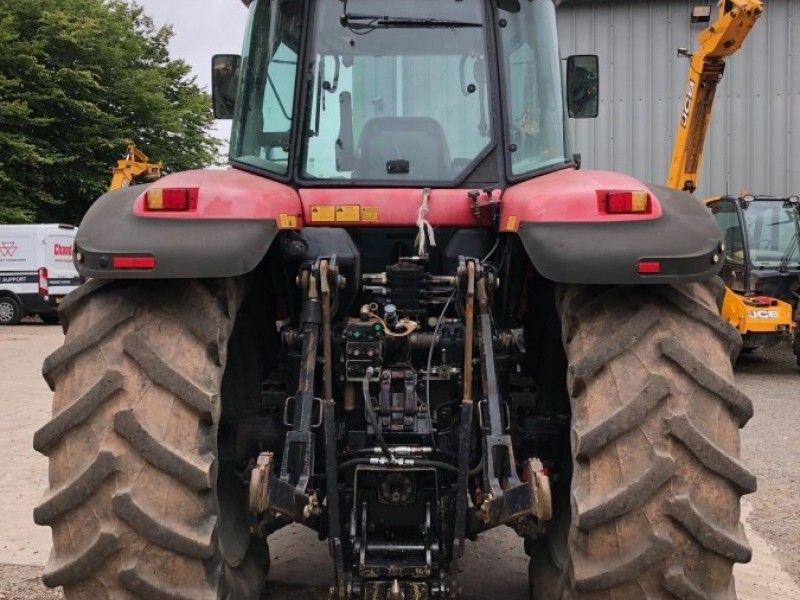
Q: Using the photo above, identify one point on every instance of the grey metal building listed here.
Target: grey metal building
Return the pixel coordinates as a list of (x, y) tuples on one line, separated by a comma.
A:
[(754, 141)]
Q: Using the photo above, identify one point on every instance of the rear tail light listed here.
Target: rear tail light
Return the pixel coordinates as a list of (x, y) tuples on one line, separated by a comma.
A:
[(44, 284), (627, 202), (142, 263), (649, 267), (171, 199)]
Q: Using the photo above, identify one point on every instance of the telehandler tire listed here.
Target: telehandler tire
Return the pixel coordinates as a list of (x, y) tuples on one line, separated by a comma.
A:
[(135, 470), (653, 507)]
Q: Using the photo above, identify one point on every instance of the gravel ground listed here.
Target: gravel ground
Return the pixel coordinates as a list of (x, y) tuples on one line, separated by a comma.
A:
[(300, 565), (771, 447), (21, 582)]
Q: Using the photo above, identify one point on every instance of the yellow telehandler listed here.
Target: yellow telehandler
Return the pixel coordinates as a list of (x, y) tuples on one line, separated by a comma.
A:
[(761, 259)]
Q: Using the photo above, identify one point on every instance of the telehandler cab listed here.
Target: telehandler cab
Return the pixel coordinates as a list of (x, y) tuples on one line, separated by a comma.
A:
[(402, 318), (761, 267)]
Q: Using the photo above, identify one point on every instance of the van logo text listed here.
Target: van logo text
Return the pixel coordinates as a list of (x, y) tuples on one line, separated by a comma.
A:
[(60, 250)]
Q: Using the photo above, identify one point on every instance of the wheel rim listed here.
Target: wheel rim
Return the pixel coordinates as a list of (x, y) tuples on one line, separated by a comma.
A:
[(234, 524), (6, 311)]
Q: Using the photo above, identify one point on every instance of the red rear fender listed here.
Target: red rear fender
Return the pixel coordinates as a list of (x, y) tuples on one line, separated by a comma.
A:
[(227, 194), (571, 196), (232, 221), (570, 237)]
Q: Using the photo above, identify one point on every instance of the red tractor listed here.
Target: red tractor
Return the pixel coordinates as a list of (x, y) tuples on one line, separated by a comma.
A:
[(403, 317)]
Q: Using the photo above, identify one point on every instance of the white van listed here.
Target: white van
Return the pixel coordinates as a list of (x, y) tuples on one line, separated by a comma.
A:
[(36, 270)]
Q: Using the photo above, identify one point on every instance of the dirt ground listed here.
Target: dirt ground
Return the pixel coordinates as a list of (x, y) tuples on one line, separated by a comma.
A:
[(300, 565)]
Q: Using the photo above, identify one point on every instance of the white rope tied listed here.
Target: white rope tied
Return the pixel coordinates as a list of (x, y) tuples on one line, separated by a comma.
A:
[(425, 235)]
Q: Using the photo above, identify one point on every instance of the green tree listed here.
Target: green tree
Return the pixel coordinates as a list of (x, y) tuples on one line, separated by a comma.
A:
[(79, 81)]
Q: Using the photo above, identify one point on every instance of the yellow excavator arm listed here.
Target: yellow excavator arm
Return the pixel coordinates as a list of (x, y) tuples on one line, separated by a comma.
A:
[(718, 41), (135, 164)]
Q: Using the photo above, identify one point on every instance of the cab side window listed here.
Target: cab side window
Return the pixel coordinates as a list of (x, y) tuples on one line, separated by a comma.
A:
[(725, 213)]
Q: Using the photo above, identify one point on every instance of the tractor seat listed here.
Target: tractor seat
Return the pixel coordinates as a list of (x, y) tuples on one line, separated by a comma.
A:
[(391, 141)]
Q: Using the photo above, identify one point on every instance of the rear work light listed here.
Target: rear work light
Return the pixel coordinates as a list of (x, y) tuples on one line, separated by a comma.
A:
[(171, 199), (44, 283), (627, 202), (144, 263)]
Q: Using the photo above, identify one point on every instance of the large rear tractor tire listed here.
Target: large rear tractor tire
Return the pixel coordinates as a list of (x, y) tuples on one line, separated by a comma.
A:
[(135, 469), (653, 509)]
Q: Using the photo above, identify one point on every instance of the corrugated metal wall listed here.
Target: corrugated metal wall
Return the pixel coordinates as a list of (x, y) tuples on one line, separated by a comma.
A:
[(754, 142)]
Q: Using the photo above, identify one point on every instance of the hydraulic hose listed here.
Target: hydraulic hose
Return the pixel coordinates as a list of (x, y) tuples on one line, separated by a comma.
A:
[(373, 418), (428, 367)]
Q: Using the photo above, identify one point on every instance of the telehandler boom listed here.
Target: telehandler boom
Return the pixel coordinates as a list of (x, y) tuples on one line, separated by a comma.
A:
[(721, 39), (751, 278)]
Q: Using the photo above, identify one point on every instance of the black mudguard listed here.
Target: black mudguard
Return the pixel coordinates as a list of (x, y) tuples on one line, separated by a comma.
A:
[(183, 248), (685, 240)]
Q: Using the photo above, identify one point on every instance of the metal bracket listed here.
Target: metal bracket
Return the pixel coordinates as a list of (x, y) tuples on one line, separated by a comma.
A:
[(498, 451), (287, 493), (539, 484), (507, 497), (467, 272), (287, 410), (259, 483)]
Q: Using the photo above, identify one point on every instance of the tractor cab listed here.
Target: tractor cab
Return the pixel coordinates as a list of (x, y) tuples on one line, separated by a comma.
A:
[(380, 93), (762, 253)]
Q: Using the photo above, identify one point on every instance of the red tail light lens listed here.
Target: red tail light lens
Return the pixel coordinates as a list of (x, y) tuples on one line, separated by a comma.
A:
[(649, 267), (627, 202), (44, 283), (144, 263), (171, 199)]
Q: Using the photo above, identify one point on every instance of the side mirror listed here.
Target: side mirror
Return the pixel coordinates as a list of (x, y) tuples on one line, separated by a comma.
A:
[(224, 82), (583, 86)]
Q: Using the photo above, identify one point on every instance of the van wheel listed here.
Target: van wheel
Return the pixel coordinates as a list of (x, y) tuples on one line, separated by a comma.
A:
[(10, 311)]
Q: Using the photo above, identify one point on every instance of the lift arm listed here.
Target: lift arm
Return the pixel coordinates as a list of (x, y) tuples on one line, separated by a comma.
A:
[(135, 164), (720, 40)]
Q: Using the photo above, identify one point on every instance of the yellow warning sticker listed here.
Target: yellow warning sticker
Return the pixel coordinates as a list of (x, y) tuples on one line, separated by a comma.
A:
[(323, 213), (511, 223), (370, 214), (286, 221), (348, 213)]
